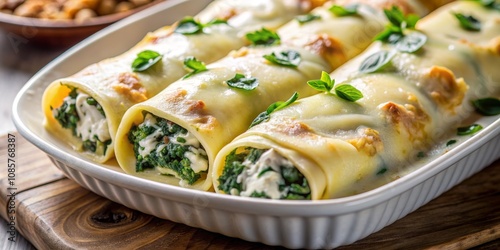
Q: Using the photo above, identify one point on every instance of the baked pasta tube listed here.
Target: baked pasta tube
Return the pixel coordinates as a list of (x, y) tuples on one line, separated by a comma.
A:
[(86, 108), (417, 86), (174, 136)]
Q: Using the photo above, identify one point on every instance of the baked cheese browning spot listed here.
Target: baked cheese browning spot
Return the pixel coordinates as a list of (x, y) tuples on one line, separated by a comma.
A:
[(444, 89), (311, 4), (329, 48), (227, 14), (494, 45), (239, 53), (129, 85), (194, 109), (410, 118), (369, 141)]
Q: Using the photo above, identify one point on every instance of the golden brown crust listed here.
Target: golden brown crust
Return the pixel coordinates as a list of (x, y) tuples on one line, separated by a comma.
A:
[(128, 84), (409, 117), (369, 142), (329, 48), (444, 89), (194, 109)]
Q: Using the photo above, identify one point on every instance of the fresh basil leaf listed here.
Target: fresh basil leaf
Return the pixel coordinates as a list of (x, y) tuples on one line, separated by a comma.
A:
[(469, 130), (290, 58), (239, 81), (264, 37), (450, 142), (262, 117), (348, 92), (382, 171), (194, 64), (411, 42), (325, 84), (319, 85), (215, 21), (266, 115), (145, 60), (492, 4), (376, 61), (395, 16), (307, 18), (348, 10), (468, 22), (487, 106), (188, 26)]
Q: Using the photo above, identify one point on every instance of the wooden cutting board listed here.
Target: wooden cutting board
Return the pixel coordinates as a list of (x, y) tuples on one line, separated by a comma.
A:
[(53, 212)]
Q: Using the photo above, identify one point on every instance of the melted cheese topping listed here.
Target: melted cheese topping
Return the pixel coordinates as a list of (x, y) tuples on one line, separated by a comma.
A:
[(254, 180), (92, 122)]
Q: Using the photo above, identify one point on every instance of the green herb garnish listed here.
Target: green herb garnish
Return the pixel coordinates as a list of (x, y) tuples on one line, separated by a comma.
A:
[(489, 4), (344, 91), (264, 37), (468, 22), (411, 42), (348, 10), (289, 58), (266, 115), (194, 64), (376, 62), (240, 81), (145, 60), (398, 22), (307, 18), (451, 142), (469, 130), (487, 106), (189, 26)]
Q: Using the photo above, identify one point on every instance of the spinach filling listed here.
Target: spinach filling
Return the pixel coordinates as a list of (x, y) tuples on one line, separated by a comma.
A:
[(292, 185), (163, 145), (68, 117)]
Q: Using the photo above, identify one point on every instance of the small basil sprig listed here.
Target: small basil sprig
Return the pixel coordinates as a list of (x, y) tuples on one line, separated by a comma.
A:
[(492, 4), (468, 22), (264, 37), (189, 26), (469, 130), (240, 81), (344, 91), (348, 10), (398, 22), (145, 60), (307, 18), (289, 58), (194, 64), (376, 62), (487, 106), (266, 115)]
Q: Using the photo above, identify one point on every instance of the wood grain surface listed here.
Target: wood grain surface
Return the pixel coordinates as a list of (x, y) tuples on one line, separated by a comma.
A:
[(53, 212)]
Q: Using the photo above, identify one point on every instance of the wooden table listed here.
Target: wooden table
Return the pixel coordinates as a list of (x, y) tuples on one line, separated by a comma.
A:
[(54, 212)]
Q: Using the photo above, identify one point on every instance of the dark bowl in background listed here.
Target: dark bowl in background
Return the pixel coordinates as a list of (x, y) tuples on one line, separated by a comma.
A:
[(58, 33)]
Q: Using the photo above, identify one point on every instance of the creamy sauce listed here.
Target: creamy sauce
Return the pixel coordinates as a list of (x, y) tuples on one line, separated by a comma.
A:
[(267, 182), (92, 123)]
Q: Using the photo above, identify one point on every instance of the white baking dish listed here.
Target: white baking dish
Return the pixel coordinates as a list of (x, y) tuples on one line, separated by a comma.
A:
[(292, 224)]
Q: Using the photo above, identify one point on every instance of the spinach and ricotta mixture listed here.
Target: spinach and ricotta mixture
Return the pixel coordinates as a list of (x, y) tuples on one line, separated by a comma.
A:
[(263, 173), (86, 119), (168, 148)]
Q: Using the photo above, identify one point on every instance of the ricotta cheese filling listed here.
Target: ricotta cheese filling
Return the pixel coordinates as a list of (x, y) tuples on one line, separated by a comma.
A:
[(169, 149), (264, 176), (84, 116)]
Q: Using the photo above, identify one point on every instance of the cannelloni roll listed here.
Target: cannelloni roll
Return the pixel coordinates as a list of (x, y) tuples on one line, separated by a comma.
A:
[(175, 136), (85, 109), (416, 89)]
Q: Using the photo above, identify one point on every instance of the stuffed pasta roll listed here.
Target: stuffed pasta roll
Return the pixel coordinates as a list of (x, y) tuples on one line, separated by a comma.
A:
[(415, 88), (86, 108), (174, 136)]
